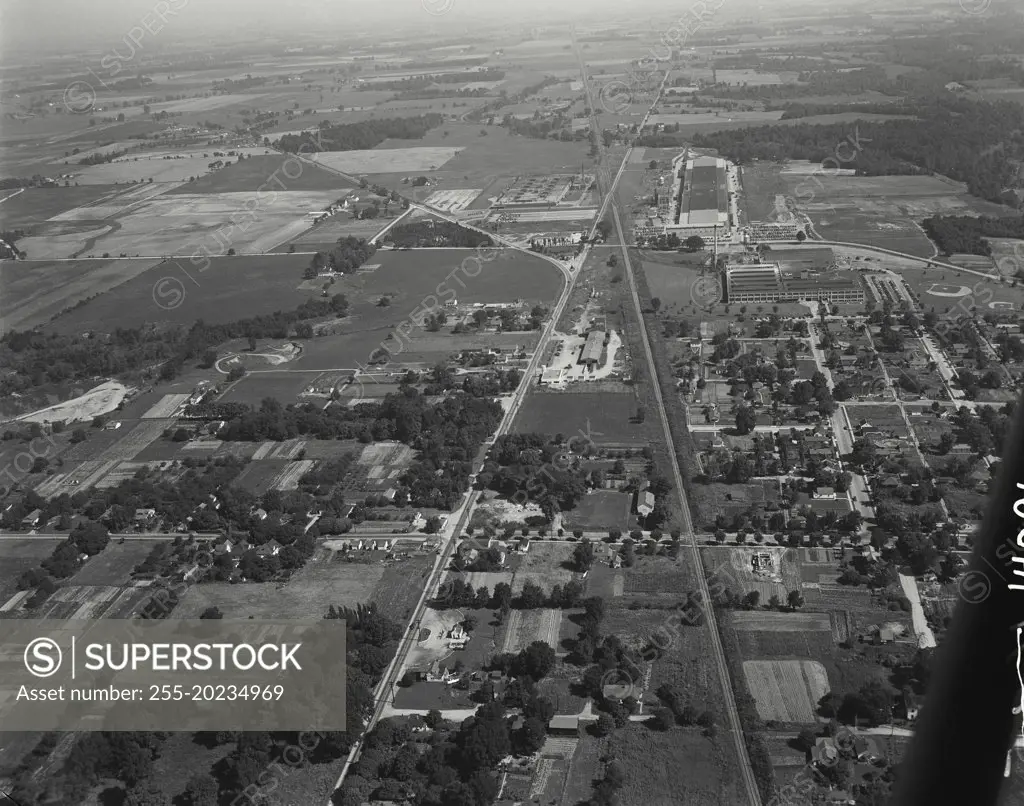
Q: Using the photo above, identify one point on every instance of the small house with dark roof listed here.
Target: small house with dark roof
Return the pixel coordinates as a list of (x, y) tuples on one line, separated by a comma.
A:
[(564, 726)]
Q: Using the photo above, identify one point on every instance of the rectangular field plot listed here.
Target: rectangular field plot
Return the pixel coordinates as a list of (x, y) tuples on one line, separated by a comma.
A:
[(705, 779), (114, 565), (34, 291), (307, 594), (288, 479), (389, 160), (92, 602), (603, 418), (230, 288), (252, 389), (544, 565), (288, 449), (602, 509), (261, 475), (386, 453), (786, 690), (781, 622), (165, 407), (527, 626)]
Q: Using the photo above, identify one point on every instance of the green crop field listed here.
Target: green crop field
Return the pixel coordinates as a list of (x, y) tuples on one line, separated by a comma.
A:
[(256, 172), (602, 418), (34, 205), (175, 291)]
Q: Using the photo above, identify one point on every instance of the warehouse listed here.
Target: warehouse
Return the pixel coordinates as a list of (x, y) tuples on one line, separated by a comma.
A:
[(591, 353)]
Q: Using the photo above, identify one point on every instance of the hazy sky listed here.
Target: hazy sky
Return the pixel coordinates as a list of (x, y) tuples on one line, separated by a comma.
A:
[(47, 26)]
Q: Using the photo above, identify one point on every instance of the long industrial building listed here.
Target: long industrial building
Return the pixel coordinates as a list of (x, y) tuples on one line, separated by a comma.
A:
[(700, 200), (767, 282)]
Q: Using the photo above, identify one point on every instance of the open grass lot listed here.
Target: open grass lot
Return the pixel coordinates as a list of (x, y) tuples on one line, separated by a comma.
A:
[(18, 556), (781, 622), (114, 565), (259, 476), (882, 210), (231, 288), (546, 565), (36, 291), (399, 588), (601, 509), (389, 160), (34, 205), (673, 282), (703, 119), (253, 388), (985, 295), (604, 418), (325, 580), (499, 153), (879, 210), (255, 173), (661, 580), (324, 235), (786, 691), (705, 777)]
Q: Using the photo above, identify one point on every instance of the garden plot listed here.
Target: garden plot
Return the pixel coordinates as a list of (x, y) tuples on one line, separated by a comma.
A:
[(386, 453), (786, 690), (391, 160), (289, 478), (165, 407), (288, 449), (91, 602), (80, 479), (781, 622), (527, 626)]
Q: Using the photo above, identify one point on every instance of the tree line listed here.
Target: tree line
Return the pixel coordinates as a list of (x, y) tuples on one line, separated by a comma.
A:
[(360, 136), (971, 141), (967, 234)]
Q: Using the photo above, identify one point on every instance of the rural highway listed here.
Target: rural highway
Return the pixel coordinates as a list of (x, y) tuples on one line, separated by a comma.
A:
[(461, 516), (736, 728)]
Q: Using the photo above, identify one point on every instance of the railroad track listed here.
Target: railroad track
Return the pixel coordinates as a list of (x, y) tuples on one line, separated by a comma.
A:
[(736, 727)]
